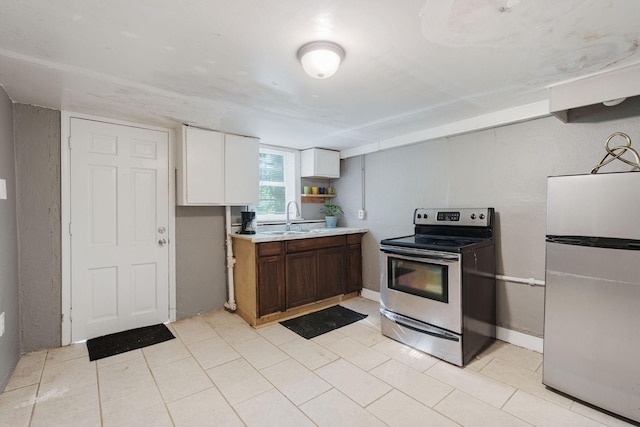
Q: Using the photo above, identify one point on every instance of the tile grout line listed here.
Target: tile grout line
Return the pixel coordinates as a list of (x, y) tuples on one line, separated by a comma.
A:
[(524, 391), (411, 397), (310, 370), (321, 394), (35, 398), (501, 408), (99, 394), (479, 372), (231, 345), (213, 383), (436, 379), (425, 372), (520, 389), (366, 408), (155, 382), (290, 357)]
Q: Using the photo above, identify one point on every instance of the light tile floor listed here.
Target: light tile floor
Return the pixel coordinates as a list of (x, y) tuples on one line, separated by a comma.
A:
[(221, 372)]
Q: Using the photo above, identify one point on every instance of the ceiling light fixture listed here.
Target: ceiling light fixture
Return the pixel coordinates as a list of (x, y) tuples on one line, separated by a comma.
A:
[(614, 102), (320, 59)]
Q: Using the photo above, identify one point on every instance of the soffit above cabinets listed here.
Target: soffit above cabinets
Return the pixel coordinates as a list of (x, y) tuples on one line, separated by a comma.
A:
[(612, 87)]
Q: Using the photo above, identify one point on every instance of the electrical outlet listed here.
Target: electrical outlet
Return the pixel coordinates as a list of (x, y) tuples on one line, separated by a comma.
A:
[(2, 324), (362, 214)]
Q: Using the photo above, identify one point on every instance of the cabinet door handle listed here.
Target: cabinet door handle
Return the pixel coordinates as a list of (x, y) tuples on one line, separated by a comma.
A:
[(162, 242)]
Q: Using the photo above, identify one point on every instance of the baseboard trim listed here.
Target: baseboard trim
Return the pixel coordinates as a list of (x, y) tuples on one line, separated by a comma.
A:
[(503, 334), (370, 295), (520, 339)]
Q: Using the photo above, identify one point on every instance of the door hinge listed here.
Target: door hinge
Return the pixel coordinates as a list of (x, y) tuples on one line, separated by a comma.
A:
[(69, 143), (70, 232)]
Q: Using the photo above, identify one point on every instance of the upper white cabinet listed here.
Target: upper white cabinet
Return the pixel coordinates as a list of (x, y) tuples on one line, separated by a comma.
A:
[(242, 170), (201, 167), (319, 163), (216, 168)]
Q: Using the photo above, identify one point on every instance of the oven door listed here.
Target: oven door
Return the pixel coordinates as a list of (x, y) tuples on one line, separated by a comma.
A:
[(423, 285)]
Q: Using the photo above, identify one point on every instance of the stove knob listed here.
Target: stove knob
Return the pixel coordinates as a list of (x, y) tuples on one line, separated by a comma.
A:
[(419, 216), (473, 216), (481, 216)]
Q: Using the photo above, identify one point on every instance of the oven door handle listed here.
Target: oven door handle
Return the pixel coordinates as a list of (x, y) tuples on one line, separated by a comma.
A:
[(418, 254), (419, 326)]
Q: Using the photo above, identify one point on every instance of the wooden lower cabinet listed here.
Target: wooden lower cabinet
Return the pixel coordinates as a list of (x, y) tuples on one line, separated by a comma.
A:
[(354, 263), (301, 281), (275, 279), (331, 272), (271, 297), (321, 275), (314, 275)]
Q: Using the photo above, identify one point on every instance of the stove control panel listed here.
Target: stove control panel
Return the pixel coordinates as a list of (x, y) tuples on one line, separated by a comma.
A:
[(468, 217)]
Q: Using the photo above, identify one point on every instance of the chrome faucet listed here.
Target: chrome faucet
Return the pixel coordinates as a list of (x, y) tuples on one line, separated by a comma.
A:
[(288, 224)]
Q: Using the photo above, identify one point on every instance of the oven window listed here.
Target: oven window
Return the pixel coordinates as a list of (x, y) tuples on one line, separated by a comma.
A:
[(419, 278)]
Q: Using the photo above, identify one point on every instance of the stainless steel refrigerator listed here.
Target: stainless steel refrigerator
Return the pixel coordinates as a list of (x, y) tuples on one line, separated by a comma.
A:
[(592, 296)]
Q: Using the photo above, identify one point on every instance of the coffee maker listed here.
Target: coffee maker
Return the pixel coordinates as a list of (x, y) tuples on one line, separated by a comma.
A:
[(249, 223)]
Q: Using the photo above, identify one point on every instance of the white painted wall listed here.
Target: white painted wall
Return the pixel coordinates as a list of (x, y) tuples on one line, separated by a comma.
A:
[(504, 167)]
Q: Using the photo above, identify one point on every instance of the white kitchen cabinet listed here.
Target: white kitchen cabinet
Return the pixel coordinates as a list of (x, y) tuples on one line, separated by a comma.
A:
[(216, 168), (241, 166), (319, 163)]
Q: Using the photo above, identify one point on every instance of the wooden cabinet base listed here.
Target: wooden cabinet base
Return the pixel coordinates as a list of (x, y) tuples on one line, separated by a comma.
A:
[(282, 279), (294, 312)]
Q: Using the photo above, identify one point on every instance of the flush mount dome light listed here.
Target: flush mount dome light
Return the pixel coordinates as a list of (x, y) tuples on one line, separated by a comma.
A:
[(614, 102), (320, 59)]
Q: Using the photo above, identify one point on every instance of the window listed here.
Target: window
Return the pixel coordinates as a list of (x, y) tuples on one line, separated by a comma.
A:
[(277, 183)]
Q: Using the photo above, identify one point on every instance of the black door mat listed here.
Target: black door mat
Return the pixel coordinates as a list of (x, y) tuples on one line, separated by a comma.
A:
[(313, 324), (121, 342)]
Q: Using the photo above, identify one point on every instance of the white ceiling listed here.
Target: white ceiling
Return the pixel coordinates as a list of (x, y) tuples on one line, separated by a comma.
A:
[(231, 65)]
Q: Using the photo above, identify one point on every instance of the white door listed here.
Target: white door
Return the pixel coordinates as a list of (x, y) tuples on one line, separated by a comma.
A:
[(119, 221)]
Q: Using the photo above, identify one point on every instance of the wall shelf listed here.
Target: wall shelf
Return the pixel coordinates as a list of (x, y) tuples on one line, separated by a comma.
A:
[(315, 198)]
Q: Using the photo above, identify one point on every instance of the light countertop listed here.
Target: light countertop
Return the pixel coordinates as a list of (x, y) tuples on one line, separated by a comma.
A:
[(278, 235)]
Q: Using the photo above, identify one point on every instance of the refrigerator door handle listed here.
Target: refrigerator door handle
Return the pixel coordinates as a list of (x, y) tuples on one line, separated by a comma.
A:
[(596, 242)]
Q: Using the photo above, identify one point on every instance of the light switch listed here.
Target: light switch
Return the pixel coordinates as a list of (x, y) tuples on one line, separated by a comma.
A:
[(3, 189)]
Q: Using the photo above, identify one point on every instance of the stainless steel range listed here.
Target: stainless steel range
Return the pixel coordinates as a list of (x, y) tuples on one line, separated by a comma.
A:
[(437, 286)]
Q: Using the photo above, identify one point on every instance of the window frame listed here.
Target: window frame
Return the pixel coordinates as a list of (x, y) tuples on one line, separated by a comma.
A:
[(292, 179)]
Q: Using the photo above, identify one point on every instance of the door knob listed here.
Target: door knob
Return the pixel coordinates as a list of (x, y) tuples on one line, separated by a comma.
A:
[(162, 242)]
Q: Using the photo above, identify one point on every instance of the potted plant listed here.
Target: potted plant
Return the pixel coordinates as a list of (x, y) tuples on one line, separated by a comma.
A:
[(331, 214)]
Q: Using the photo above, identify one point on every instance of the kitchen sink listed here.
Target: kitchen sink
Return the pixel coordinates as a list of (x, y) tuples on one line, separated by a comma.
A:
[(284, 233), (297, 232)]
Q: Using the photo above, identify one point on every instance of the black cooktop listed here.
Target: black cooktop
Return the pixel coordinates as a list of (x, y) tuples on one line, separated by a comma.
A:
[(437, 243), (448, 230)]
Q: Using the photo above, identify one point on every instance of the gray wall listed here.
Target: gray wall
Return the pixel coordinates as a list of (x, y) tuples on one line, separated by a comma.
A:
[(503, 167), (9, 287), (200, 260), (37, 146)]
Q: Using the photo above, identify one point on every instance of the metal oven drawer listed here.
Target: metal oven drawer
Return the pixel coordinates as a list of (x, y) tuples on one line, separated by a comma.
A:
[(430, 339)]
